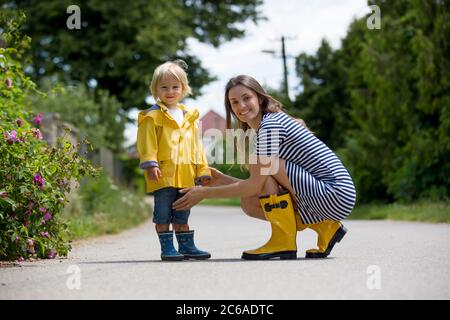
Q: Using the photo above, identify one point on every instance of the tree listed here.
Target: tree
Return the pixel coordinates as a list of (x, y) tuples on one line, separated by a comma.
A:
[(383, 100), (399, 88), (323, 103), (119, 45), (98, 118)]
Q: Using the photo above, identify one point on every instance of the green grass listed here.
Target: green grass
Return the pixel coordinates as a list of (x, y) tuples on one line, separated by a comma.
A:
[(108, 222), (234, 202), (424, 211), (100, 207)]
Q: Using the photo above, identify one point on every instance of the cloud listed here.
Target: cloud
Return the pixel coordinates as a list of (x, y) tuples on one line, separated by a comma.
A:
[(305, 23)]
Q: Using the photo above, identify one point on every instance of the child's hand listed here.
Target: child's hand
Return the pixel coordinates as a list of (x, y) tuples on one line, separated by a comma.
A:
[(154, 173), (204, 181), (216, 178)]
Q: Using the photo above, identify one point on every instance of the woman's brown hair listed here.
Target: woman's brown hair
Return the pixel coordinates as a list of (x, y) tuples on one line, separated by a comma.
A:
[(267, 102)]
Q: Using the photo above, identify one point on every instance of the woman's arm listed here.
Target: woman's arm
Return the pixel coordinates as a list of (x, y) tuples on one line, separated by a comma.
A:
[(241, 188), (221, 179)]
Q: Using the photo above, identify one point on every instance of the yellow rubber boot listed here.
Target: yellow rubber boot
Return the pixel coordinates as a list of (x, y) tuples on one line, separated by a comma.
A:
[(300, 225), (329, 232), (279, 211)]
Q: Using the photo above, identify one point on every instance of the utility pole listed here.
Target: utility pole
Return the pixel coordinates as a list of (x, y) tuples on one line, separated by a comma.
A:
[(285, 69), (284, 57)]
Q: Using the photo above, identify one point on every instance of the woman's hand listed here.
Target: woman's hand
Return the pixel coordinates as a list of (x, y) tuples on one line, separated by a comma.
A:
[(191, 197)]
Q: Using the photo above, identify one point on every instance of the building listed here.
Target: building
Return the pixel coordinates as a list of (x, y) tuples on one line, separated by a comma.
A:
[(213, 120)]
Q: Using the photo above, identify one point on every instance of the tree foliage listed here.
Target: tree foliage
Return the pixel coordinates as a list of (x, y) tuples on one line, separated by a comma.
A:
[(384, 100), (97, 116), (120, 43), (323, 102)]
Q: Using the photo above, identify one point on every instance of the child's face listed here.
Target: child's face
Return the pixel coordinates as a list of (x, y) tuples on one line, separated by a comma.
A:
[(244, 103), (169, 91)]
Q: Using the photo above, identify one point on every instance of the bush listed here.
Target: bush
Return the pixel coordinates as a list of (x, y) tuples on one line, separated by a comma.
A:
[(34, 178), (103, 207), (96, 115)]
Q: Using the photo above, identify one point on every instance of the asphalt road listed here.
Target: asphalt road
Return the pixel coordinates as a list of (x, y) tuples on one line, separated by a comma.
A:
[(376, 260)]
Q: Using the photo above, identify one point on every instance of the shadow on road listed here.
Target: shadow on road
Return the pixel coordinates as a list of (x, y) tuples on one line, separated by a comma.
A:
[(198, 261)]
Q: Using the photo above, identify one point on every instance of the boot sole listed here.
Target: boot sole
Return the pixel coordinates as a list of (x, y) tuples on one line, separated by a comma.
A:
[(202, 257), (172, 258), (283, 255), (339, 234)]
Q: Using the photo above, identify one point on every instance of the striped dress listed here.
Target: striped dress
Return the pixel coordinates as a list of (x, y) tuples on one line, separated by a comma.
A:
[(323, 187)]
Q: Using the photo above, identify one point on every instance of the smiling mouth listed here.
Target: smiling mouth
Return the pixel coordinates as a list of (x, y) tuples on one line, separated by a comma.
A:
[(244, 113)]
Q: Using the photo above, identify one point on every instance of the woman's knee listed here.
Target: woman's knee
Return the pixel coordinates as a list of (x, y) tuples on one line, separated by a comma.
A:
[(271, 186), (252, 207)]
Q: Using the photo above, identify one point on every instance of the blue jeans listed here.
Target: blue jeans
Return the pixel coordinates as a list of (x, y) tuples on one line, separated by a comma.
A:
[(163, 212)]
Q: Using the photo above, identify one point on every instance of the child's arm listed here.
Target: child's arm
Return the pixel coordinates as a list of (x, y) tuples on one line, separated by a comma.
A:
[(147, 147), (202, 172)]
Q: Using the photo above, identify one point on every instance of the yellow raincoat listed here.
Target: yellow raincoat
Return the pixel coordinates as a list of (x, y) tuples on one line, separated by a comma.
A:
[(178, 151)]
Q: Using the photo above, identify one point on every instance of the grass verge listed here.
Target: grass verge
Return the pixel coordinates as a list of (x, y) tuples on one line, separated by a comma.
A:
[(100, 207), (423, 211)]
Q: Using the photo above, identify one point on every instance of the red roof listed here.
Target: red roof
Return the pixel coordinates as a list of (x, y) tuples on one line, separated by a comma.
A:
[(213, 120)]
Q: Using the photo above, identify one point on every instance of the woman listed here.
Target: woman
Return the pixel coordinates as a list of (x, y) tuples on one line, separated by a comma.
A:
[(291, 164)]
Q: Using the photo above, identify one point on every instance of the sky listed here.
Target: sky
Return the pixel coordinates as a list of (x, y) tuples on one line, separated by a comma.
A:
[(304, 23)]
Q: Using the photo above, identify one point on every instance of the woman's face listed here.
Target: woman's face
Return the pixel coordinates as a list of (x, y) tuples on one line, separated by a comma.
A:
[(245, 105)]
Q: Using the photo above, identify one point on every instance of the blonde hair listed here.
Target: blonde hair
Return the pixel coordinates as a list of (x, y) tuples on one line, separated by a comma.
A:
[(267, 102), (176, 69)]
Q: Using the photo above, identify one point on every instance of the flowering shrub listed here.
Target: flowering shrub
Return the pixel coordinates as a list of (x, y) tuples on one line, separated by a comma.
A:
[(34, 177)]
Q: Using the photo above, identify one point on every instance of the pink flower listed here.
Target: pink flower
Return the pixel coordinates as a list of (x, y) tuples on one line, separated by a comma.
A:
[(11, 137), (64, 183), (37, 119), (30, 244), (28, 213), (52, 254), (9, 83), (30, 205), (19, 122), (39, 180), (4, 194), (45, 234), (47, 216), (43, 210), (37, 133)]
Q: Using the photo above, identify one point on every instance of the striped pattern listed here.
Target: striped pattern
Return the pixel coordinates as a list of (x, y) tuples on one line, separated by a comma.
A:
[(324, 189)]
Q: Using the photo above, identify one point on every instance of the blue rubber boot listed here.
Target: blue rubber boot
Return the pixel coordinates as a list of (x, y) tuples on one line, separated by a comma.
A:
[(168, 251), (186, 246)]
